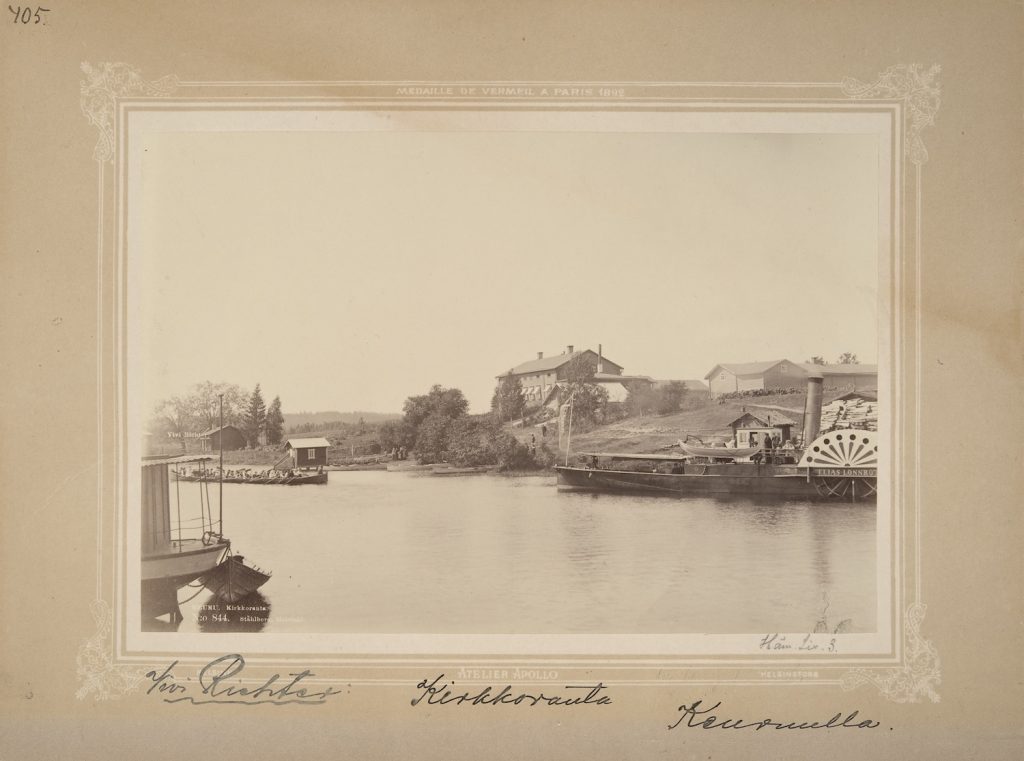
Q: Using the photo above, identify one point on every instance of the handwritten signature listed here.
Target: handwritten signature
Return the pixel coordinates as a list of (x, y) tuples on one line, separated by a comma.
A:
[(696, 718), (809, 643), (212, 685), (439, 694)]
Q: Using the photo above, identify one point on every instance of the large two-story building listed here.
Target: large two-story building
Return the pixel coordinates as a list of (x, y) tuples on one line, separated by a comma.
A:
[(539, 376)]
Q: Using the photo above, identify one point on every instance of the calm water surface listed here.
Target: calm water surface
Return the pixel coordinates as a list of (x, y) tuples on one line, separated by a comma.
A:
[(375, 551)]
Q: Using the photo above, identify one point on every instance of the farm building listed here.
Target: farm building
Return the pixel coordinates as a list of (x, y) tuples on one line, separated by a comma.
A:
[(308, 453), (754, 376), (853, 377), (782, 374), (231, 437)]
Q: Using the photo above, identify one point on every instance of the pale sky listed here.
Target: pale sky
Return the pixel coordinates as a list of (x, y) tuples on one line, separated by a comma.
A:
[(351, 270)]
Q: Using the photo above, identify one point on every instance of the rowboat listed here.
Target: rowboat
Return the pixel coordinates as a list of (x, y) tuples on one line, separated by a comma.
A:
[(233, 579), (450, 470)]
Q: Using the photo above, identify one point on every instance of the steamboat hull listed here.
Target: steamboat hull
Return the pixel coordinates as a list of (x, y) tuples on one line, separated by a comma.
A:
[(182, 563), (723, 480)]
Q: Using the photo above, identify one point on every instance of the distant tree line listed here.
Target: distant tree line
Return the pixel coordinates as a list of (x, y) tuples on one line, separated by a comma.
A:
[(330, 425), (846, 358)]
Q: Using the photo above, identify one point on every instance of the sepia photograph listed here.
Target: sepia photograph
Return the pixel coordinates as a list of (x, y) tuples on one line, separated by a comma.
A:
[(600, 373)]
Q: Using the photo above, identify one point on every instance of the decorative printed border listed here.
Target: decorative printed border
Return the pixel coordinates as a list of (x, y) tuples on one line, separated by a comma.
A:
[(910, 86)]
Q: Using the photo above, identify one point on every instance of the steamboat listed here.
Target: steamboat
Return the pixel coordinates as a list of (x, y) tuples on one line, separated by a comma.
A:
[(840, 464)]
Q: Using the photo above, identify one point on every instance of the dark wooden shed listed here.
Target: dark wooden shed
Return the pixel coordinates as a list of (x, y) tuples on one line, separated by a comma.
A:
[(232, 437), (308, 453)]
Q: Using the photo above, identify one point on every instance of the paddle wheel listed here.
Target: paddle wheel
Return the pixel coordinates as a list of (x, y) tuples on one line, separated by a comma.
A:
[(843, 464)]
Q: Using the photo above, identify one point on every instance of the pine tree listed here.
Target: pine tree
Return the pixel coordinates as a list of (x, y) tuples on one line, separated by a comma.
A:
[(255, 417), (275, 422)]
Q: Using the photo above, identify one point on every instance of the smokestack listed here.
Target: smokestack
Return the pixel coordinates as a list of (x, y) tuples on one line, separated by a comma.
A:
[(540, 355), (812, 409), (569, 347), (600, 359)]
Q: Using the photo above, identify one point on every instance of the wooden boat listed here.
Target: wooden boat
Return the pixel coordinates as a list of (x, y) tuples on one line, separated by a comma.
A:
[(407, 465), (233, 579), (307, 478), (297, 479), (450, 470), (841, 465)]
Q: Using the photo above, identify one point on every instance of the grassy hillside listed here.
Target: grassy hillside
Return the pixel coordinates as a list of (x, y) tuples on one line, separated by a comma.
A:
[(707, 419)]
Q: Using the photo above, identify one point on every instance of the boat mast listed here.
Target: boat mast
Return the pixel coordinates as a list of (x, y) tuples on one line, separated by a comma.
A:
[(568, 438), (220, 494)]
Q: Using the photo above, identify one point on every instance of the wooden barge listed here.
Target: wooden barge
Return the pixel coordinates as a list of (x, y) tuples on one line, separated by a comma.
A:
[(295, 479)]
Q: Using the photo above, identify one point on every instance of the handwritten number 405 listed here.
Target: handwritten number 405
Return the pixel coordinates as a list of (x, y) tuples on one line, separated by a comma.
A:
[(27, 16)]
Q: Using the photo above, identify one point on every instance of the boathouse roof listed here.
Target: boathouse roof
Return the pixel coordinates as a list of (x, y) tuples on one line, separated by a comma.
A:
[(307, 443)]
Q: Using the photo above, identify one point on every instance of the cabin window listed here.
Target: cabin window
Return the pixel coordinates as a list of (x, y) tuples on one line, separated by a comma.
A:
[(310, 454)]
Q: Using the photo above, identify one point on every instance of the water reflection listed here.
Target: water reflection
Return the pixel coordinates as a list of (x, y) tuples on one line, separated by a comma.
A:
[(160, 625), (392, 552)]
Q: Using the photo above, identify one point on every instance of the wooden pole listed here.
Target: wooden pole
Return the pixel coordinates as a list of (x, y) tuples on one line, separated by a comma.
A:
[(220, 495)]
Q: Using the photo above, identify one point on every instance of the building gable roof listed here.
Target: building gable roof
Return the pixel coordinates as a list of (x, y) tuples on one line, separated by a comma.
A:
[(546, 364), (220, 428), (307, 443), (749, 368)]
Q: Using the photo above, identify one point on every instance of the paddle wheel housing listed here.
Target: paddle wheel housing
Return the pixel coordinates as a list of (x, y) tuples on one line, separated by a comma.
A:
[(843, 464)]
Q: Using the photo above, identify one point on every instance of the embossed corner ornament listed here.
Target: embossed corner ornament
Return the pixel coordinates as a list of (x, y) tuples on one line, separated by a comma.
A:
[(917, 678), (917, 87), (104, 83), (97, 673)]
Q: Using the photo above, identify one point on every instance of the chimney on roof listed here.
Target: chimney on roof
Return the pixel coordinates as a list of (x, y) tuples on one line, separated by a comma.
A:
[(600, 360), (569, 349), (540, 355)]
